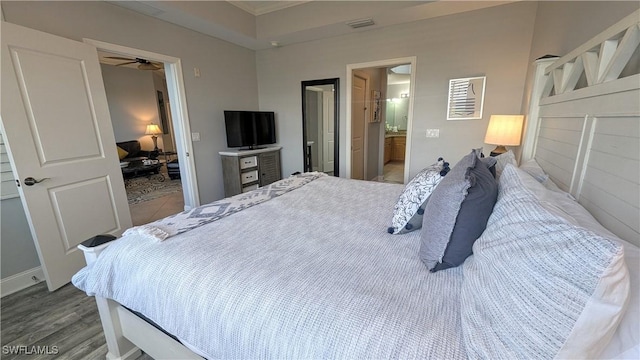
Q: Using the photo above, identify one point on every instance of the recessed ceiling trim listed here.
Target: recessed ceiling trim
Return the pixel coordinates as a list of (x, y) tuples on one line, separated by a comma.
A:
[(257, 8), (141, 7)]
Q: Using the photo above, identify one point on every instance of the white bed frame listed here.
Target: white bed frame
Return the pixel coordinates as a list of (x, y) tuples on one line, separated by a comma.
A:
[(584, 130), (585, 137)]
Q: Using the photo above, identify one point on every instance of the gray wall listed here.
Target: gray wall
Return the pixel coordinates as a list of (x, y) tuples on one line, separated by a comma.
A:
[(228, 73), (16, 244), (562, 26), (494, 42), (132, 102)]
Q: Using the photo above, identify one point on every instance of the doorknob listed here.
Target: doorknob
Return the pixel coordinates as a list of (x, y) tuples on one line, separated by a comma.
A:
[(31, 181)]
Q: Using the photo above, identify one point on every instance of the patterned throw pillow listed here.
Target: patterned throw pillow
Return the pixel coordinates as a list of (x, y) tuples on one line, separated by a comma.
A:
[(407, 213)]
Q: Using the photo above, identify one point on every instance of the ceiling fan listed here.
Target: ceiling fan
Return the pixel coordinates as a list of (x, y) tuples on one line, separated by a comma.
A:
[(144, 64)]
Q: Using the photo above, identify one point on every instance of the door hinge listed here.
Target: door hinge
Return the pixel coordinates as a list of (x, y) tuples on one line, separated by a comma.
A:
[(17, 182), (187, 154)]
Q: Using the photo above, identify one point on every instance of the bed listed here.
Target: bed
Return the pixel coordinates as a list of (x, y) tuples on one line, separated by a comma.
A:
[(306, 267)]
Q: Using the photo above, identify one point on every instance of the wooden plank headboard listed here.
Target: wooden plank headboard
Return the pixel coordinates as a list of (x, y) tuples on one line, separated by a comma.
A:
[(585, 130)]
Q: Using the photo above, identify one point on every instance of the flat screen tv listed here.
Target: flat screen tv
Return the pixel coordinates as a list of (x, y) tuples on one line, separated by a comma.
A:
[(250, 129)]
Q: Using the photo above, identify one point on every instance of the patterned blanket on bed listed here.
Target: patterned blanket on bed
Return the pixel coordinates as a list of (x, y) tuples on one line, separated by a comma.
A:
[(187, 220)]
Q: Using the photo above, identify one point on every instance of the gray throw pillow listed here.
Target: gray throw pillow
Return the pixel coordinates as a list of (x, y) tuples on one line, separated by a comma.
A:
[(490, 162), (408, 211), (444, 207), (472, 218)]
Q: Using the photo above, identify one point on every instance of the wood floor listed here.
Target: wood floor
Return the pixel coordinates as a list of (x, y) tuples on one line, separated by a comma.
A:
[(64, 324)]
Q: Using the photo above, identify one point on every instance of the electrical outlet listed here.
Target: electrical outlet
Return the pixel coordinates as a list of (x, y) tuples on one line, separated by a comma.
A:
[(433, 133)]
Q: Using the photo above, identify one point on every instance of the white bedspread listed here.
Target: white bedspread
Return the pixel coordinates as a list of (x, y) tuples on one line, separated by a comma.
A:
[(284, 279)]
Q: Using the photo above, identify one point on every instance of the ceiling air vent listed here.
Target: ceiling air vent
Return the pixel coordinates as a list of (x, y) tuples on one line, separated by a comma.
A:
[(361, 23)]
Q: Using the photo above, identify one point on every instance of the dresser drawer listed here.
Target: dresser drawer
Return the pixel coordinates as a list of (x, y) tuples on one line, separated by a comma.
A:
[(248, 162), (249, 188), (249, 176), (245, 171)]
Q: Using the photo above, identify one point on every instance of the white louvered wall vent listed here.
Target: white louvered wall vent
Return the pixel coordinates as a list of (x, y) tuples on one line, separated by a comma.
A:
[(8, 188), (361, 23)]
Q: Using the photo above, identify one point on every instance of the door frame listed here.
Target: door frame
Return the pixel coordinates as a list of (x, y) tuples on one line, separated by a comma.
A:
[(378, 64), (179, 113)]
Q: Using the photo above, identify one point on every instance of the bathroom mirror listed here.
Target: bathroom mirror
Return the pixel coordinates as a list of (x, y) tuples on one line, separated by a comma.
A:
[(320, 125)]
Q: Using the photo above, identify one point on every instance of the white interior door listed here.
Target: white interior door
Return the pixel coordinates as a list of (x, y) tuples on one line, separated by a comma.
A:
[(358, 113), (328, 131), (319, 161), (57, 127)]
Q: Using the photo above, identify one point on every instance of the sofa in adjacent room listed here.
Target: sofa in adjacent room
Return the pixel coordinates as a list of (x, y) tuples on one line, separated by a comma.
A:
[(131, 151)]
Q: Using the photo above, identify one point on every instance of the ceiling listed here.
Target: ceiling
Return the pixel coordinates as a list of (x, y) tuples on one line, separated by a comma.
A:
[(261, 25), (264, 7)]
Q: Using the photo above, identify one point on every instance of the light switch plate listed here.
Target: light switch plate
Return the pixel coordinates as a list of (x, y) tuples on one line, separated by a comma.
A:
[(433, 133), (195, 136)]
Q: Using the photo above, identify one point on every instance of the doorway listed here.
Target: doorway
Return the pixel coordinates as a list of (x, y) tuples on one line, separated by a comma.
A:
[(71, 105), (175, 104), (386, 141), (396, 116), (136, 91)]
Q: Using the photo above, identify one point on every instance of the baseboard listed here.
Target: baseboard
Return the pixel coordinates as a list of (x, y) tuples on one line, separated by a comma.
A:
[(20, 281)]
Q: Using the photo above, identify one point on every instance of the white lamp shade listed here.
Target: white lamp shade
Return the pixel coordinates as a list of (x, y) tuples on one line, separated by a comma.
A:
[(153, 129), (504, 130)]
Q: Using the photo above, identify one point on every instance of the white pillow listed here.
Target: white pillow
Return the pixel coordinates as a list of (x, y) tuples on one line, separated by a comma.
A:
[(502, 161), (408, 211), (627, 336), (625, 343), (539, 286), (532, 168), (562, 204)]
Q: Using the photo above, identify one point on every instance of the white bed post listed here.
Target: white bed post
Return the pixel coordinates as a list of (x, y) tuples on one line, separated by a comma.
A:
[(541, 86), (119, 348)]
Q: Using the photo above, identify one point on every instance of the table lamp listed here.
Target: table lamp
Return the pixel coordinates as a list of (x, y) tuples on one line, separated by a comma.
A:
[(504, 130), (153, 130)]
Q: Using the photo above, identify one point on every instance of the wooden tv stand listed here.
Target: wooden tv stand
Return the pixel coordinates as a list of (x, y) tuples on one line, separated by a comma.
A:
[(246, 170)]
